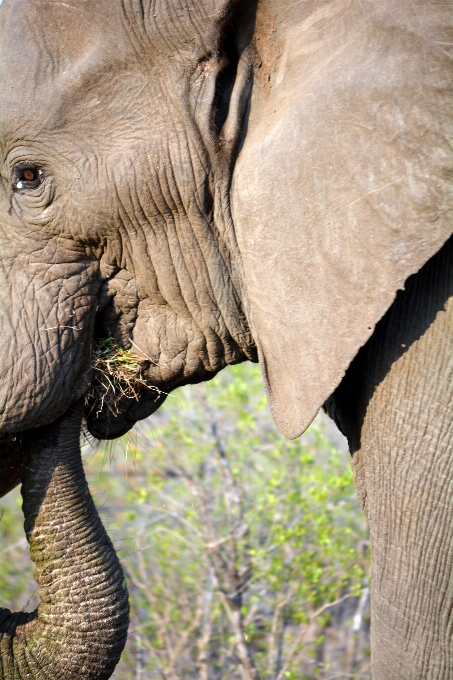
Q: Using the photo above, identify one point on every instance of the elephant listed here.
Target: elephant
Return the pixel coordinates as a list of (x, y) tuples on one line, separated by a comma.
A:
[(208, 182)]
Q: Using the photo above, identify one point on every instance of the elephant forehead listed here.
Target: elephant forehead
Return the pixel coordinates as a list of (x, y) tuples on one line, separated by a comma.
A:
[(55, 56), (55, 53), (45, 38)]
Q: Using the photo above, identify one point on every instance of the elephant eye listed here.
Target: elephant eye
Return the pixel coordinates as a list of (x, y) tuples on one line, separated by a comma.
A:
[(28, 177)]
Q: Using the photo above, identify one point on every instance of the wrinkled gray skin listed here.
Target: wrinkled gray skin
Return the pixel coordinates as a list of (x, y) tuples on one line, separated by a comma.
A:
[(80, 627), (216, 181)]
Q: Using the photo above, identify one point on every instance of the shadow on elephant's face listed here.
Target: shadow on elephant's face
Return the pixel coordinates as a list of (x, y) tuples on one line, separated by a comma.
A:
[(110, 425)]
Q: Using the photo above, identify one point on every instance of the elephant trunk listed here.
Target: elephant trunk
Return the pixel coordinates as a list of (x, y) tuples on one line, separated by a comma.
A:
[(79, 629)]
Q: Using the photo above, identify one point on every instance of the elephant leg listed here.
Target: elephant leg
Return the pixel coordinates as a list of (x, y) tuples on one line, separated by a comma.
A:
[(395, 405)]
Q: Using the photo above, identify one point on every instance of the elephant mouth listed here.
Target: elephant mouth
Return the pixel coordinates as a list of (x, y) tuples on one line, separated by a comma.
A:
[(105, 423), (120, 392)]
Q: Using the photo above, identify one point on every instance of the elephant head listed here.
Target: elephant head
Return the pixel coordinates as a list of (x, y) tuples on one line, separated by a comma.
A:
[(114, 218)]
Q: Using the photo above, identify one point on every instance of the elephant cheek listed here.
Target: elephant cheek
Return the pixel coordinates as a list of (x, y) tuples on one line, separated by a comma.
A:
[(47, 324)]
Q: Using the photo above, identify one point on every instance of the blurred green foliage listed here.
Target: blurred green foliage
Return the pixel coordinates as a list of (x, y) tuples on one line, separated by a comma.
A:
[(235, 541)]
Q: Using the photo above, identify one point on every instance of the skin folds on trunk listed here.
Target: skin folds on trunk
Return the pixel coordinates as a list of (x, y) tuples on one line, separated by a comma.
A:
[(79, 629)]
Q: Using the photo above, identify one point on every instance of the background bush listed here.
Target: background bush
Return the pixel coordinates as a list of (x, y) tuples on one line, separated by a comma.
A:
[(245, 553)]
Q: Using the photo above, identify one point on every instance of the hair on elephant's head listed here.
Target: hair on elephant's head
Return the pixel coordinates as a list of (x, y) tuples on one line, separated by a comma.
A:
[(117, 132)]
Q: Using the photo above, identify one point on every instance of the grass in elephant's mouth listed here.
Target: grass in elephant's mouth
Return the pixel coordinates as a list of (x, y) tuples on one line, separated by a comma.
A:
[(117, 373)]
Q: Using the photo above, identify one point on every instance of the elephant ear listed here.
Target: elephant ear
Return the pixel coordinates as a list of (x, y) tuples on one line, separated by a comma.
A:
[(342, 187)]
